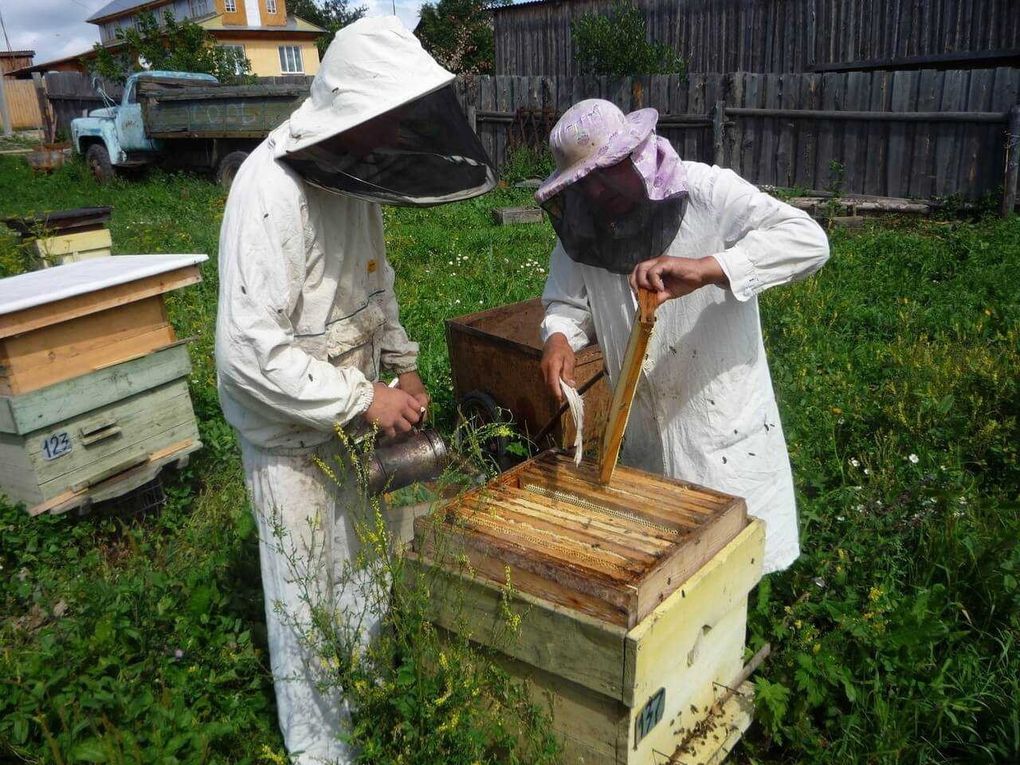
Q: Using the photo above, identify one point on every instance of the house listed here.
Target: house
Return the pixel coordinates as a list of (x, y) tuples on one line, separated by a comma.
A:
[(274, 42), (776, 36), (15, 59)]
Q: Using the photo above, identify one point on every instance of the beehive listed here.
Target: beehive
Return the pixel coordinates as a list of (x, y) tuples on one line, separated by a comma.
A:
[(498, 352), (93, 382), (633, 599), (66, 236)]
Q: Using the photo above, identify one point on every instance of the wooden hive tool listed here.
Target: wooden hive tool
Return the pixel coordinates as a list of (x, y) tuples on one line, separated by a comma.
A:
[(626, 386)]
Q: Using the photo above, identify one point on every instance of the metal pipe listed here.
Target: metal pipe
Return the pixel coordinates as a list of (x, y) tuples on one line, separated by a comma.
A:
[(831, 114)]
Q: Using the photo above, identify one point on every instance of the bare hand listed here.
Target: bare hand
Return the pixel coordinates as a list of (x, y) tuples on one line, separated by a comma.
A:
[(411, 383), (670, 277), (558, 363), (394, 411)]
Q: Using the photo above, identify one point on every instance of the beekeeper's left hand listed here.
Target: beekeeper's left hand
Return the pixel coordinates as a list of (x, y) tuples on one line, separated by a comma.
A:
[(670, 277)]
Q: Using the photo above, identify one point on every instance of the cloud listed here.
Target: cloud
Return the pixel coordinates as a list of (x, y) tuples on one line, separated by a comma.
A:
[(407, 10), (56, 28), (52, 28)]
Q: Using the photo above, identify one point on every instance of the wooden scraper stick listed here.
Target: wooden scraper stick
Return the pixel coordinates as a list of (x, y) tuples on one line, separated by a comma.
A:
[(623, 394)]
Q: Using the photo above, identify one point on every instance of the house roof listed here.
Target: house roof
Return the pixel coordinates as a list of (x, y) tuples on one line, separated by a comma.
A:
[(294, 24), (17, 53), (119, 7)]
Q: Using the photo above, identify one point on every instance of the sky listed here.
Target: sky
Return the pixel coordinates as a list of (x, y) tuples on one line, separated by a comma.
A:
[(56, 28)]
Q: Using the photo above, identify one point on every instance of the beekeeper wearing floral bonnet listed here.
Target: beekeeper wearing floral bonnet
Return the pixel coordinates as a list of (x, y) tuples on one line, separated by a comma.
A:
[(629, 213)]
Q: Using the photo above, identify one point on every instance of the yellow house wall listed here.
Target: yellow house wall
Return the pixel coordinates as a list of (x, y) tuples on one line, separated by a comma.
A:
[(240, 18), (264, 55)]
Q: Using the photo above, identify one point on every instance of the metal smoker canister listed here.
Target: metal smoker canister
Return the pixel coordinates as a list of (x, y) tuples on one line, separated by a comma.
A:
[(421, 456)]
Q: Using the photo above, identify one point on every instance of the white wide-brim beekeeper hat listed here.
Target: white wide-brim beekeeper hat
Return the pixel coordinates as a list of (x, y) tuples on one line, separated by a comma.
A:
[(371, 67)]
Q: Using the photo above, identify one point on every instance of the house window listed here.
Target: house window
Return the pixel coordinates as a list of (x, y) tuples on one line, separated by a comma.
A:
[(290, 60), (230, 6), (241, 58), (199, 7), (271, 7)]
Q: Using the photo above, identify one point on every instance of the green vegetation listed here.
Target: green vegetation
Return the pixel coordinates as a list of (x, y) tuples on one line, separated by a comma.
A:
[(458, 34), (615, 44), (171, 45), (894, 636)]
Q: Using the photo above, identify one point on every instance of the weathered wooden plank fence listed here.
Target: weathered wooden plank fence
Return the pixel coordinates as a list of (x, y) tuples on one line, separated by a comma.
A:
[(71, 94), (777, 35), (917, 133), (22, 104)]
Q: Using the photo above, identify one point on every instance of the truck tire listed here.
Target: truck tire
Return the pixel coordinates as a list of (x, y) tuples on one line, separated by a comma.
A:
[(98, 160), (228, 168)]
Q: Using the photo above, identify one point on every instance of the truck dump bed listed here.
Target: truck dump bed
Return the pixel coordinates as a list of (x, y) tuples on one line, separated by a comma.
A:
[(182, 109)]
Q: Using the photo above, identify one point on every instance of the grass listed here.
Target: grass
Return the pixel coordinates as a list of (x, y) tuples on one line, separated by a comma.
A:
[(895, 635)]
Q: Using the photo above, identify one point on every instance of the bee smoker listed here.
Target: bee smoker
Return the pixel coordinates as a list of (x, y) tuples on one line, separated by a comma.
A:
[(420, 456)]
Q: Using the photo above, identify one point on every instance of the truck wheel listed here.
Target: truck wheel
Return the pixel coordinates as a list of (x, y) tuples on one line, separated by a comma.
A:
[(98, 160), (228, 168)]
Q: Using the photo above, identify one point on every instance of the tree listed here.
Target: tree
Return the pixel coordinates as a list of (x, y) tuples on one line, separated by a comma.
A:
[(458, 34), (331, 15), (179, 46), (615, 44)]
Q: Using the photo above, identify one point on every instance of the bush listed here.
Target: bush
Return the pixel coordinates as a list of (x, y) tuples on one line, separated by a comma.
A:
[(614, 44)]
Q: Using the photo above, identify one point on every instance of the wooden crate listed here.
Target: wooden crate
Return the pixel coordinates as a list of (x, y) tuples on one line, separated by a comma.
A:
[(66, 236), (632, 599), (498, 352), (59, 442), (69, 320), (93, 383)]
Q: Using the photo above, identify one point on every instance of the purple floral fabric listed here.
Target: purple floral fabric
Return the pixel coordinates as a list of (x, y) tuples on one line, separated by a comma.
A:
[(594, 133)]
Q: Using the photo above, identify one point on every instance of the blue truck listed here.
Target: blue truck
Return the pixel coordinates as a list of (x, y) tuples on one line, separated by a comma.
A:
[(182, 120)]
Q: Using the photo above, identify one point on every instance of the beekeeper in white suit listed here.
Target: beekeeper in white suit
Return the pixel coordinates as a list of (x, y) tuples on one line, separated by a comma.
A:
[(629, 213), (308, 322)]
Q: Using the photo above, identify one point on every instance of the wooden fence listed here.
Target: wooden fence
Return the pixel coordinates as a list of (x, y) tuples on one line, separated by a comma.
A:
[(776, 35), (918, 134), (71, 95), (22, 104)]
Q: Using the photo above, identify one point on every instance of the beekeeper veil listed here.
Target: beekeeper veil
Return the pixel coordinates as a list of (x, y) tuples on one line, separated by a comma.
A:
[(383, 124), (619, 191)]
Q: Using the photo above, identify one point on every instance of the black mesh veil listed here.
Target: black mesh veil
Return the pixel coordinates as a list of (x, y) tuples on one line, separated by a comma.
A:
[(421, 153), (614, 240)]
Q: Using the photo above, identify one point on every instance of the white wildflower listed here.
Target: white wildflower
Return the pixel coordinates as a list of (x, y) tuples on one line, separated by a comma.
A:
[(854, 462), (914, 459)]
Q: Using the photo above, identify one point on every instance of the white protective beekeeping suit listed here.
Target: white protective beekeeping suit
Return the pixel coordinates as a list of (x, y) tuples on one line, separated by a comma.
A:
[(307, 322), (704, 409)]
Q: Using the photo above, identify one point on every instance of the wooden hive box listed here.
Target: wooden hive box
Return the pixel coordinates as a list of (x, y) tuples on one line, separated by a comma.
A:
[(66, 236), (632, 597), (69, 320), (93, 382), (498, 352)]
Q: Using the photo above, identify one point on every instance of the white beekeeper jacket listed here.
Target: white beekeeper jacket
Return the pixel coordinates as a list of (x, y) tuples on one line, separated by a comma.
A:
[(704, 410), (307, 321), (307, 317)]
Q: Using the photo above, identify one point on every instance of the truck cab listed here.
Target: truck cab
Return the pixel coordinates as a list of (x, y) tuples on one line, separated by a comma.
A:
[(115, 136)]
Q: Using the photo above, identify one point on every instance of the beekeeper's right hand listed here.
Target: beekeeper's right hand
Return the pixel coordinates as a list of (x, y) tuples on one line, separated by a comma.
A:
[(558, 363), (394, 411)]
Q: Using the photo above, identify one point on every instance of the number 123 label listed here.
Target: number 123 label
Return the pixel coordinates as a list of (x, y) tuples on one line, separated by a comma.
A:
[(56, 445)]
